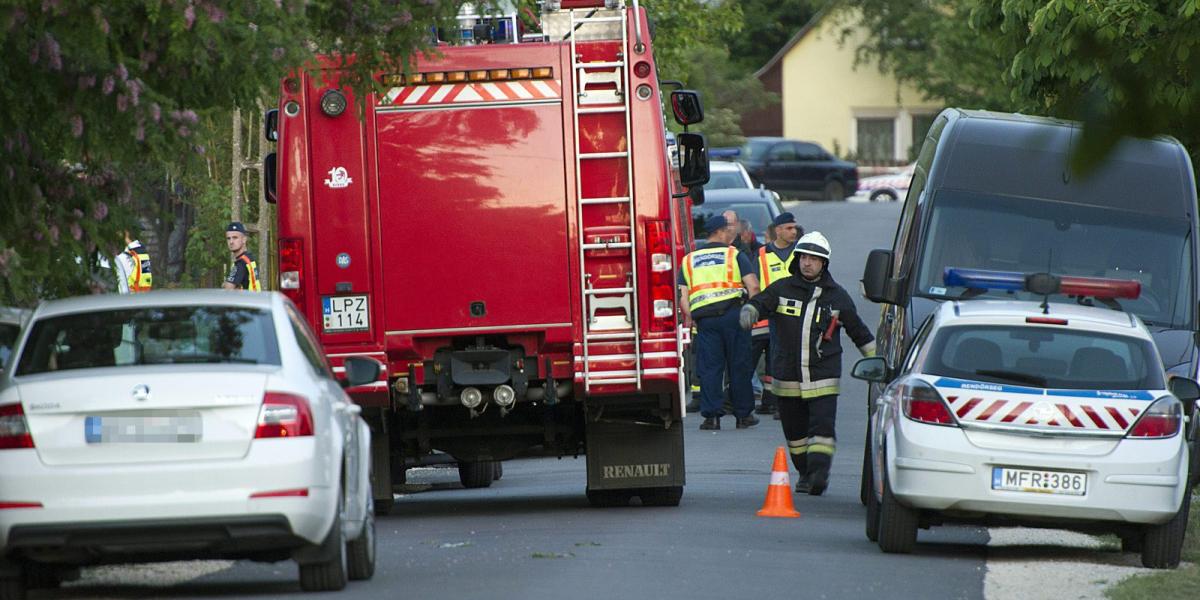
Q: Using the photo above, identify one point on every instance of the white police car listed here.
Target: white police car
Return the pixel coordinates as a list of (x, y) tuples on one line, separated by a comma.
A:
[(1013, 412)]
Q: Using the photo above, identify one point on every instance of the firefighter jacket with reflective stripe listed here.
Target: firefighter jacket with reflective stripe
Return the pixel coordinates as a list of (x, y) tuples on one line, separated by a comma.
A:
[(712, 275), (806, 321), (140, 278), (770, 269)]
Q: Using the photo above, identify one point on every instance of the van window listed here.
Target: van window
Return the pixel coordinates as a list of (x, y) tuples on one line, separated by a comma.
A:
[(1029, 235), (908, 222), (1044, 357)]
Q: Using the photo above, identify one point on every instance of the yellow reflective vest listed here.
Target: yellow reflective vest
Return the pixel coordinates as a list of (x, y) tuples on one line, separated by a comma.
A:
[(139, 278), (712, 276), (252, 283), (770, 270)]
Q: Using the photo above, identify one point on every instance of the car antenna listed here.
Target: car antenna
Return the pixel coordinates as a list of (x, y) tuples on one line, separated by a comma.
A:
[(1046, 292)]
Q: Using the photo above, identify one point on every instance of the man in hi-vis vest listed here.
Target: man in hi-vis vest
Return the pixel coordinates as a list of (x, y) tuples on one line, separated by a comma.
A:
[(243, 275), (133, 268), (714, 282)]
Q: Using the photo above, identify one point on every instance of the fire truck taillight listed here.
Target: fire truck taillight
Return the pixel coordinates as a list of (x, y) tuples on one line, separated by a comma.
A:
[(662, 284), (291, 269)]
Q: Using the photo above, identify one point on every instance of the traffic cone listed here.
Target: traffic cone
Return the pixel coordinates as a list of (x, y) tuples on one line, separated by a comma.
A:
[(779, 492)]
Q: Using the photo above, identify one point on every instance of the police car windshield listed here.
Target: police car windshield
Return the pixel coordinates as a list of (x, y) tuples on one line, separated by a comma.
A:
[(145, 336), (726, 180), (1003, 233), (1044, 357)]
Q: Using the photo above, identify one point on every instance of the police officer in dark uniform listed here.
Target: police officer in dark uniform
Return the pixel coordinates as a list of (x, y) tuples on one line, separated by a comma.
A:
[(807, 312), (714, 280), (243, 275)]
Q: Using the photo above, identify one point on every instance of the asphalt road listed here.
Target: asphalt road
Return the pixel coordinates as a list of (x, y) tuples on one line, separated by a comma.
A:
[(533, 535)]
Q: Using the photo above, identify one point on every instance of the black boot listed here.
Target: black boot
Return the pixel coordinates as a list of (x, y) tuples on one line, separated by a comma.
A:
[(817, 482), (802, 485), (711, 424), (747, 421)]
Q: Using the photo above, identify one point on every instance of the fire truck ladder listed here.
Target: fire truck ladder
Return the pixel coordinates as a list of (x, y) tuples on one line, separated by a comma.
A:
[(591, 101)]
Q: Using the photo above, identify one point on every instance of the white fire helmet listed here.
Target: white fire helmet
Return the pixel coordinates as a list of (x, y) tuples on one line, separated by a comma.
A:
[(813, 243)]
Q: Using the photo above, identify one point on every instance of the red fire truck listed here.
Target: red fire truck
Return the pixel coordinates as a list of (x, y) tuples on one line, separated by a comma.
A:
[(502, 231)]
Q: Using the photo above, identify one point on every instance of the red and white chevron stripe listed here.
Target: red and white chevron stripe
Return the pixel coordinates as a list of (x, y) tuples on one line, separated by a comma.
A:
[(1057, 412), (477, 92)]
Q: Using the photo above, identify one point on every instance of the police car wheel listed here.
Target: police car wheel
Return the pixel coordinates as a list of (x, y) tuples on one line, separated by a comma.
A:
[(872, 503), (1163, 544), (897, 523), (865, 485)]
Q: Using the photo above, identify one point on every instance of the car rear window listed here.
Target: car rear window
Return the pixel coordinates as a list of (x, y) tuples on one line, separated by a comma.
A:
[(725, 180), (1044, 357), (149, 336)]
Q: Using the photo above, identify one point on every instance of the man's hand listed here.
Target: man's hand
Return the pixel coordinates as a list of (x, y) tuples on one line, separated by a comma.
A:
[(748, 317)]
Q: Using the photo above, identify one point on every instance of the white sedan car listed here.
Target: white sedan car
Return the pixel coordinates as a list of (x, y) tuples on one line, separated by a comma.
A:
[(1005, 413), (180, 425)]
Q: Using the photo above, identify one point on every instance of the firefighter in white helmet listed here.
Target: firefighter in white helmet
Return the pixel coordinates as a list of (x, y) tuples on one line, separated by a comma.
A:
[(807, 311)]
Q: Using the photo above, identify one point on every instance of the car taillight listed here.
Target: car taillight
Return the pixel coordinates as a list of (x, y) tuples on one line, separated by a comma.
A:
[(283, 416), (1163, 419), (922, 403), (14, 430), (291, 270), (662, 279)]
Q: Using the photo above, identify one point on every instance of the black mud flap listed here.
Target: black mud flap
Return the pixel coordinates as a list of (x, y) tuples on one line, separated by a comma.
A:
[(626, 455)]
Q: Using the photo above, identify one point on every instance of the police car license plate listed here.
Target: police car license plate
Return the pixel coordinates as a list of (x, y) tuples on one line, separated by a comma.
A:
[(143, 429), (1040, 482), (345, 313)]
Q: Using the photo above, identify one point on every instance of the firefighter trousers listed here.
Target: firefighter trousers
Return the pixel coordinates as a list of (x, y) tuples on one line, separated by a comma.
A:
[(808, 426)]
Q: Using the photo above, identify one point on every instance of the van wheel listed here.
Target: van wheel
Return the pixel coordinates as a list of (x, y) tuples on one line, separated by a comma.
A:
[(834, 190), (897, 523), (361, 551), (1162, 545), (328, 575), (477, 474)]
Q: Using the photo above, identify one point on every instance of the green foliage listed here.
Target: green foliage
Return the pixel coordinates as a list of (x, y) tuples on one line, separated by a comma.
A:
[(766, 26), (726, 90), (1124, 67), (100, 97)]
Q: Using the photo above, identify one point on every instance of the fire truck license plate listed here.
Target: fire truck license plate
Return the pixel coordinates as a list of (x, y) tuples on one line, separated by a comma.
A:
[(345, 313), (1041, 482)]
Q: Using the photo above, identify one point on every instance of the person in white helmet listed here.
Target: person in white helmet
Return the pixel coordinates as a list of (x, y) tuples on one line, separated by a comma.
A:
[(807, 312)]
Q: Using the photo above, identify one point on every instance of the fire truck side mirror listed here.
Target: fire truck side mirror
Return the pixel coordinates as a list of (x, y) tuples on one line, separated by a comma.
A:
[(269, 179), (693, 159), (686, 106), (271, 125)]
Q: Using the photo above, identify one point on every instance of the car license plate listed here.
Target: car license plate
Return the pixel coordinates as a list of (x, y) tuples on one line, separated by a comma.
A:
[(1041, 482), (143, 429), (345, 313)]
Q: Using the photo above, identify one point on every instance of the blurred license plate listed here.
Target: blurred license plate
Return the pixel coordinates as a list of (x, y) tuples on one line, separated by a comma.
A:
[(1040, 482), (173, 429), (344, 313)]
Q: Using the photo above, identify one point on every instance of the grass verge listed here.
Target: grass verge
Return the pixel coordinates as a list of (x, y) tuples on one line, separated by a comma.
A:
[(1181, 583)]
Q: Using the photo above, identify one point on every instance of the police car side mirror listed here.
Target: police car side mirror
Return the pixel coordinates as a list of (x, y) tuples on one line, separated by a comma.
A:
[(1187, 390), (693, 159), (361, 371), (872, 368)]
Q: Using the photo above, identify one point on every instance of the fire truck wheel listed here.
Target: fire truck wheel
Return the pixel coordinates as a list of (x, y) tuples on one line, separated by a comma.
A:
[(1163, 544), (661, 496), (477, 474), (499, 471), (609, 498)]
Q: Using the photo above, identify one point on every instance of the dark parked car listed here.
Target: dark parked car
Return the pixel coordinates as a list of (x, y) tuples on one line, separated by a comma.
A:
[(798, 169), (758, 206)]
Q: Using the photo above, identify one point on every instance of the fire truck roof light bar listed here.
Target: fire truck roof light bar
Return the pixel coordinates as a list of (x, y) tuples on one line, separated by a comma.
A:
[(434, 77), (1043, 283)]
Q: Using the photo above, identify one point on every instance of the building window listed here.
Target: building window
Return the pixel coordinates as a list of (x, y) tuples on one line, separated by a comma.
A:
[(920, 127), (876, 139)]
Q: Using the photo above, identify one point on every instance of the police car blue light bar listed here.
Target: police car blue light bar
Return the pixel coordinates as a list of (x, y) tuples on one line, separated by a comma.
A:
[(1094, 287), (724, 152)]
